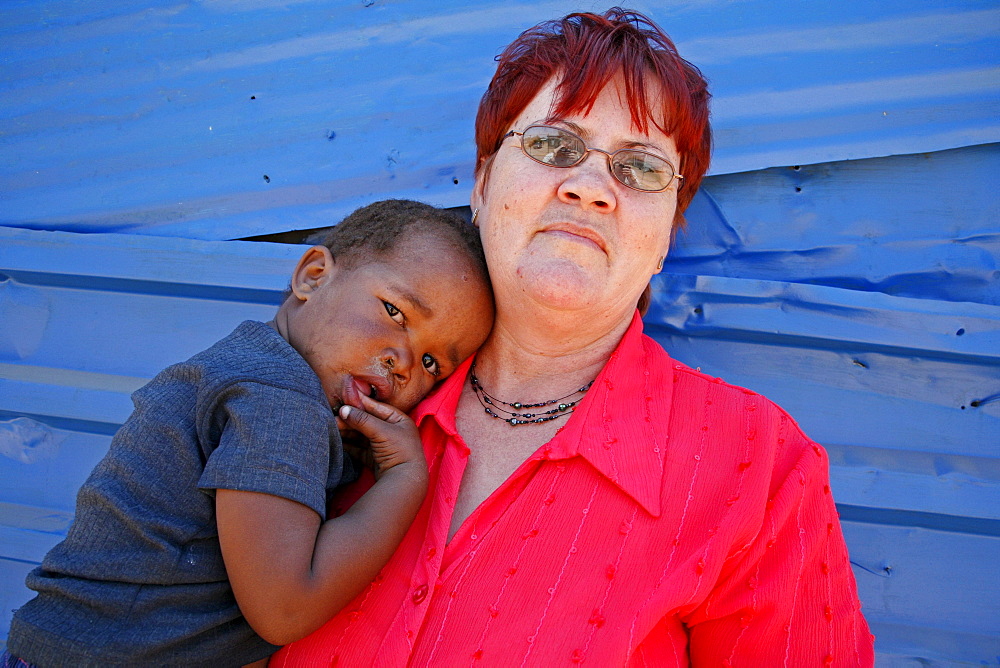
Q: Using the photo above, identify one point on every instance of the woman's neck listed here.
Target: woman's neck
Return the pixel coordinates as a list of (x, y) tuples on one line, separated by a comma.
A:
[(532, 357)]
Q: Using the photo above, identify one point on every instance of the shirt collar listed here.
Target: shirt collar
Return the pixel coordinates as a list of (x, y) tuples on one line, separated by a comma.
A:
[(619, 427), (442, 403)]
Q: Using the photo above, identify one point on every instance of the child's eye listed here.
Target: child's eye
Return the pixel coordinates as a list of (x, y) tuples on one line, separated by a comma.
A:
[(431, 364), (394, 312)]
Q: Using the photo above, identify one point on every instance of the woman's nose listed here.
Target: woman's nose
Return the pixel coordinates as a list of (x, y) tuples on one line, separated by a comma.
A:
[(589, 184)]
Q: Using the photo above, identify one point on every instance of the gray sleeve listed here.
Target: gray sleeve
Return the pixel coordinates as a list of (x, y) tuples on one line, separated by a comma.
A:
[(274, 440)]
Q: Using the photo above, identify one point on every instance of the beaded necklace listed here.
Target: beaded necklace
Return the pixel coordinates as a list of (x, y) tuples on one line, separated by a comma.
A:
[(560, 407)]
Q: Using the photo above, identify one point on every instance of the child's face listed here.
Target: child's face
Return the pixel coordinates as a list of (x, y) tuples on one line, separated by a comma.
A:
[(390, 327)]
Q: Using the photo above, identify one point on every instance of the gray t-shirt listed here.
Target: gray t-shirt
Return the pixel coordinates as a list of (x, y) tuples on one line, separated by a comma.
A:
[(139, 578)]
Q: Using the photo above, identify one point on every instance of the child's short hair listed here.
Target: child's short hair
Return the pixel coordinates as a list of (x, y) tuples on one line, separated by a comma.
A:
[(375, 230)]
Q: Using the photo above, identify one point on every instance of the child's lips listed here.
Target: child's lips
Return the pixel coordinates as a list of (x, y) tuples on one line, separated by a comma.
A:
[(353, 389), (356, 387)]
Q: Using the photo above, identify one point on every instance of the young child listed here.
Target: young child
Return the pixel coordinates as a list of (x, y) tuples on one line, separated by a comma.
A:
[(213, 493)]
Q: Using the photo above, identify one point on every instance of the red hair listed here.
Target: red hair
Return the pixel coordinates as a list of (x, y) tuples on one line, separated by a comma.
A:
[(588, 51)]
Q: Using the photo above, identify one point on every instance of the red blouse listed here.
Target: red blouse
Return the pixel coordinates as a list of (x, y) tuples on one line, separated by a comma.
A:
[(674, 520)]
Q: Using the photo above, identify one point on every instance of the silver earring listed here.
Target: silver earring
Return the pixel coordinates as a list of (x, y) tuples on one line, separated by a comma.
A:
[(659, 265), (475, 215)]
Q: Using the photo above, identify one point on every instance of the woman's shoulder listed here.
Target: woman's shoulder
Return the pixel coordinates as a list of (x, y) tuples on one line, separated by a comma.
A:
[(721, 402)]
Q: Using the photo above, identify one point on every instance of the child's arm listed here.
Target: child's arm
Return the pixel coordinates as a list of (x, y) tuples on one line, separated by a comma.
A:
[(290, 571)]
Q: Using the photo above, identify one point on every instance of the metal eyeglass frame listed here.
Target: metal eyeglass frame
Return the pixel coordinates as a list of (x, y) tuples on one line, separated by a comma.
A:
[(586, 153)]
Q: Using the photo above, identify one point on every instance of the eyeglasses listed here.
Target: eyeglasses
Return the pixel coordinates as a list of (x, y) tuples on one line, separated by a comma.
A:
[(635, 169)]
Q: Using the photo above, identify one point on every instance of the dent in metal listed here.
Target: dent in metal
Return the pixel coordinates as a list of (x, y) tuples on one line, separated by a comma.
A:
[(28, 441)]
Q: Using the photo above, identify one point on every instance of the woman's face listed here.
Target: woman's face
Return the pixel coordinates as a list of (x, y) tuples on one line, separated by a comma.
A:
[(574, 238)]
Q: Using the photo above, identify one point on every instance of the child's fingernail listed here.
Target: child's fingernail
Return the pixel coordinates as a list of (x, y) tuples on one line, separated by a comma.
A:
[(345, 412)]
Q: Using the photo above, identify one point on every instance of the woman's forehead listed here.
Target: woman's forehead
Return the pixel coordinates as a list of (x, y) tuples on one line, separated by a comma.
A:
[(611, 102), (610, 112)]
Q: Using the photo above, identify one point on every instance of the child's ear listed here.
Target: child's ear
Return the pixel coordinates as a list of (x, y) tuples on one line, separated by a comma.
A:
[(313, 269)]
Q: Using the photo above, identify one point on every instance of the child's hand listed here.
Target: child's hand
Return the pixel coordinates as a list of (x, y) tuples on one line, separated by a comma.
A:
[(392, 436), (324, 565)]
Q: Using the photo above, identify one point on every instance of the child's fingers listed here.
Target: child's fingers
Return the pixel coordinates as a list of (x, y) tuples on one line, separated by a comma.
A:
[(382, 411), (360, 421), (371, 426), (393, 441)]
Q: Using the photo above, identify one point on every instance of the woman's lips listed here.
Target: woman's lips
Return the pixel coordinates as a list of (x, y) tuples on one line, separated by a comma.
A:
[(577, 233)]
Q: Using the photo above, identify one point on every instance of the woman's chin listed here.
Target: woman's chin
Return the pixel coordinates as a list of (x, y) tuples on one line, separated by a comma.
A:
[(563, 285)]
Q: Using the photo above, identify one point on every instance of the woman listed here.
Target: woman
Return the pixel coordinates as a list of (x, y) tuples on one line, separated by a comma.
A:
[(591, 499)]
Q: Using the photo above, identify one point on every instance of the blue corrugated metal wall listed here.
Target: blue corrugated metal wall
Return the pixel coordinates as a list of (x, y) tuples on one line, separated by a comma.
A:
[(165, 118), (844, 258)]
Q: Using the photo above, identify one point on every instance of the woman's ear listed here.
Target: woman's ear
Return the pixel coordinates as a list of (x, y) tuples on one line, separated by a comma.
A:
[(668, 243), (313, 269), (478, 198)]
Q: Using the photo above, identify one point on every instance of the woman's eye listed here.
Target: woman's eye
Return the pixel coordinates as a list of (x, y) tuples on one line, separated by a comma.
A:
[(393, 312), (639, 164), (627, 174), (566, 156), (431, 364)]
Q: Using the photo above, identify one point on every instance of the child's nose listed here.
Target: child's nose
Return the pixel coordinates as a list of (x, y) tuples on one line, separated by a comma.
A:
[(399, 361)]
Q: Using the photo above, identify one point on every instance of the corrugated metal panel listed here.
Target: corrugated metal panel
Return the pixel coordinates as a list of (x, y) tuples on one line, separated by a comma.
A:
[(885, 346), (230, 118), (911, 226), (862, 296)]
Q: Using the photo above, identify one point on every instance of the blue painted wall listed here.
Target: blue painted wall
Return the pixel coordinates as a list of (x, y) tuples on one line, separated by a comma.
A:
[(163, 118), (843, 258)]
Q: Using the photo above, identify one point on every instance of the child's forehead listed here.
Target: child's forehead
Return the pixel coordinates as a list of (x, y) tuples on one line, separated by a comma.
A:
[(439, 248), (422, 265)]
